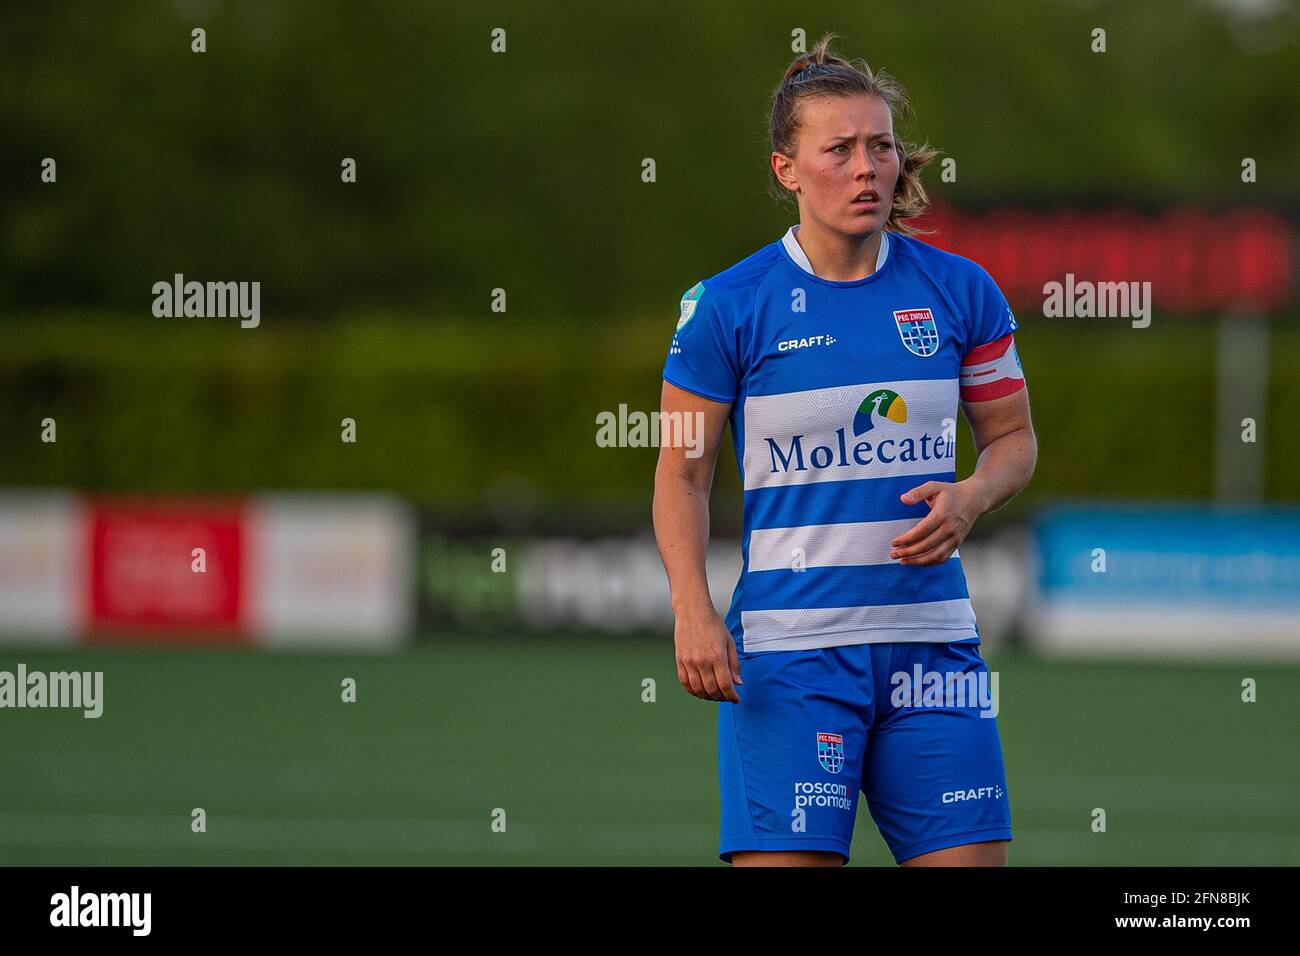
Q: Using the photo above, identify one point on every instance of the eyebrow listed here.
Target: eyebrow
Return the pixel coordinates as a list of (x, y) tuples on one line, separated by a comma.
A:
[(849, 136)]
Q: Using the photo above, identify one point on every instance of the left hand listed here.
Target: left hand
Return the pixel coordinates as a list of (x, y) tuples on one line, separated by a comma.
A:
[(954, 506)]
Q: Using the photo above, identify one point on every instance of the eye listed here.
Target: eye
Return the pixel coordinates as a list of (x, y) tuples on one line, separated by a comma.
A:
[(840, 146), (884, 144)]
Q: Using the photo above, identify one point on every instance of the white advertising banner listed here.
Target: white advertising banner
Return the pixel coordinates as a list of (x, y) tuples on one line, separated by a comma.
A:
[(329, 570), (42, 567)]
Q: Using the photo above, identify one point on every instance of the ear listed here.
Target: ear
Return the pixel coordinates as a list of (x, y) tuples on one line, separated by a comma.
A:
[(783, 167)]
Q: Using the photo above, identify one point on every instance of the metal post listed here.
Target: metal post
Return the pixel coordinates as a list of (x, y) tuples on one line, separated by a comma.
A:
[(1242, 390)]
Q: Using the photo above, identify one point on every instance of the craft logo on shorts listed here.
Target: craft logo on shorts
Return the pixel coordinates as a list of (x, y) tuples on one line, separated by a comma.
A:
[(830, 751), (918, 330), (973, 793)]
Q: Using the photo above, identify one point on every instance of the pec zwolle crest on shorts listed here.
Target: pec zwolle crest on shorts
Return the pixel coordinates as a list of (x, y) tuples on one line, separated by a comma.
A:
[(830, 751), (918, 330)]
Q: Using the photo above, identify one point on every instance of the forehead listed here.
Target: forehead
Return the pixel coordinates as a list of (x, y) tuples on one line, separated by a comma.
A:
[(824, 115)]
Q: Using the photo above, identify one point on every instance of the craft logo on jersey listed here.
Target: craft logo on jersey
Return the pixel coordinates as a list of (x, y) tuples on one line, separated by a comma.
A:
[(689, 301), (918, 330), (882, 401), (830, 751)]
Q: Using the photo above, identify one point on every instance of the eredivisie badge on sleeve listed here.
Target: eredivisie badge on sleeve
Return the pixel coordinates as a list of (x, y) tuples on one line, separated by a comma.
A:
[(918, 330), (689, 301)]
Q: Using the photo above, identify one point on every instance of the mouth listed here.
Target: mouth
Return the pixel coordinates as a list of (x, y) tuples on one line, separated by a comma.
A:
[(866, 200)]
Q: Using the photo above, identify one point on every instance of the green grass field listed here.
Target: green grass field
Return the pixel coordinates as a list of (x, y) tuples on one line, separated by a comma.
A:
[(556, 734)]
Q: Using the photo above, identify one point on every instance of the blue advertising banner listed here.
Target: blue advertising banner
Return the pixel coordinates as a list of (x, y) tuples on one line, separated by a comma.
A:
[(1168, 576)]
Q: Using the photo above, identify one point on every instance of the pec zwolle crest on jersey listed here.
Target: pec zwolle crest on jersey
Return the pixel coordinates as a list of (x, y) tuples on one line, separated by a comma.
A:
[(830, 751), (918, 330)]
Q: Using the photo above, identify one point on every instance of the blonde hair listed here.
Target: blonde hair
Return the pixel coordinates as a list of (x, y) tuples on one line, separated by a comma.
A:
[(821, 72)]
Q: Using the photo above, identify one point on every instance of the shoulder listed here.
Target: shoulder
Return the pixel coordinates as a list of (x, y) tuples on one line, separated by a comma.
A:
[(954, 272), (731, 292)]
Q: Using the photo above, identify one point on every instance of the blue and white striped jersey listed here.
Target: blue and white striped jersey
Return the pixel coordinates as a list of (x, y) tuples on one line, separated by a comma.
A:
[(844, 395)]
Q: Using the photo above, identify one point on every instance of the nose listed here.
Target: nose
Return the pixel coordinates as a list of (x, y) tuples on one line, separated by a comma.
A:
[(866, 165)]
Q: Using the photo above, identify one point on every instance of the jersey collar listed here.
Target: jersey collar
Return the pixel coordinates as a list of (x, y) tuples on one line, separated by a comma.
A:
[(801, 259)]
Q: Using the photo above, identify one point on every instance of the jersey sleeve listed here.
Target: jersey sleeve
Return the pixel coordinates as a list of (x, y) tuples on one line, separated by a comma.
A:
[(702, 358), (990, 368)]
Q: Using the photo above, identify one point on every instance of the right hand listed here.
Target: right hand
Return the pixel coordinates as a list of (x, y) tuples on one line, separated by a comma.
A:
[(707, 665)]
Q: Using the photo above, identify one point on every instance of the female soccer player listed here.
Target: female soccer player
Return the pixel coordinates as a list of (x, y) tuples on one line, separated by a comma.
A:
[(839, 354)]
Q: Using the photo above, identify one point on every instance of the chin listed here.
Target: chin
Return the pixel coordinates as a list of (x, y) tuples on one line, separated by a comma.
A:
[(864, 226)]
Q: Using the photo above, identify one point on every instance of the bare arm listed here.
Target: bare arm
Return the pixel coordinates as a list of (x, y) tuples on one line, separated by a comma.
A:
[(706, 654), (1008, 451), (1006, 445)]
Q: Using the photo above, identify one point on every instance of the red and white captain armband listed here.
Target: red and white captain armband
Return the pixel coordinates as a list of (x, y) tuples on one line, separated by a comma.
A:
[(991, 371)]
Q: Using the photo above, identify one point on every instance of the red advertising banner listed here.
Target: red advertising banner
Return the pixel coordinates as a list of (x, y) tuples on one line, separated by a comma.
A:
[(173, 569), (1240, 259)]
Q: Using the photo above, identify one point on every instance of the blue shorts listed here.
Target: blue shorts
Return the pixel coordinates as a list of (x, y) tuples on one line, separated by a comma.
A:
[(901, 722)]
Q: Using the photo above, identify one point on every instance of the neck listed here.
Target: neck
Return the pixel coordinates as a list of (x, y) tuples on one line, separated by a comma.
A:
[(838, 257)]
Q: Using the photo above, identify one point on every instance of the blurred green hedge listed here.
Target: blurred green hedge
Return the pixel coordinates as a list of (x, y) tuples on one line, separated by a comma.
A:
[(496, 420), (522, 170)]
